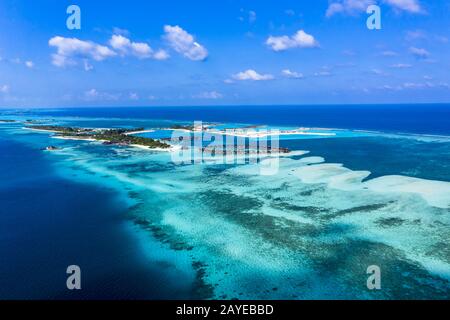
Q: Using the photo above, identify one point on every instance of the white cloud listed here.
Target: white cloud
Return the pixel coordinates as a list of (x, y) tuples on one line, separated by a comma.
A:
[(123, 32), (29, 64), (252, 75), (72, 51), (133, 96), (378, 72), (140, 50), (354, 7), (4, 88), (68, 49), (161, 55), (94, 94), (289, 12), (390, 88), (251, 16), (126, 47), (413, 85), (299, 40), (415, 35), (419, 53), (401, 66), (349, 7), (412, 6), (120, 43), (213, 95), (184, 43), (322, 74), (389, 53), (441, 39), (291, 74)]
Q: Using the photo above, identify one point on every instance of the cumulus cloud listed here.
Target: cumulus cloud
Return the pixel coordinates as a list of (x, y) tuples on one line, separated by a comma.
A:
[(354, 7), (349, 7), (125, 46), (73, 51), (161, 55), (412, 6), (212, 95), (29, 64), (291, 74), (299, 40), (184, 43), (69, 49), (120, 43), (252, 75), (419, 53)]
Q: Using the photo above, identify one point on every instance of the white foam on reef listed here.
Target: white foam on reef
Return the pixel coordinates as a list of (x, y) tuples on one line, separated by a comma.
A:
[(334, 175), (436, 193), (312, 160), (146, 148), (436, 267)]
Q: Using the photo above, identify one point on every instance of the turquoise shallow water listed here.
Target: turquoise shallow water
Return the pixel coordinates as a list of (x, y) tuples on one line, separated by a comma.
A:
[(226, 231)]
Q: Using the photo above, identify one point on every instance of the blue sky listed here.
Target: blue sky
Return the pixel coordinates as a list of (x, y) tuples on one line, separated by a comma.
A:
[(203, 52)]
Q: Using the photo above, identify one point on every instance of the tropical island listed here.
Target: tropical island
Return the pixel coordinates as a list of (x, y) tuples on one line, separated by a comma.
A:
[(119, 136), (7, 121), (182, 127)]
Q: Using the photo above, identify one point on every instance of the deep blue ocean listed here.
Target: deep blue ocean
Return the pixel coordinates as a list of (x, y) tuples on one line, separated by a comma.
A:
[(408, 118), (48, 222)]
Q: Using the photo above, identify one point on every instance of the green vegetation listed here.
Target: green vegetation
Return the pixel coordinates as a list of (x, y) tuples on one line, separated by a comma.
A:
[(116, 137), (183, 127), (109, 136), (62, 130)]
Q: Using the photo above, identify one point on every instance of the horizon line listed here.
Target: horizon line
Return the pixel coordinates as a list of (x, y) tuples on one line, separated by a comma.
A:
[(234, 105)]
